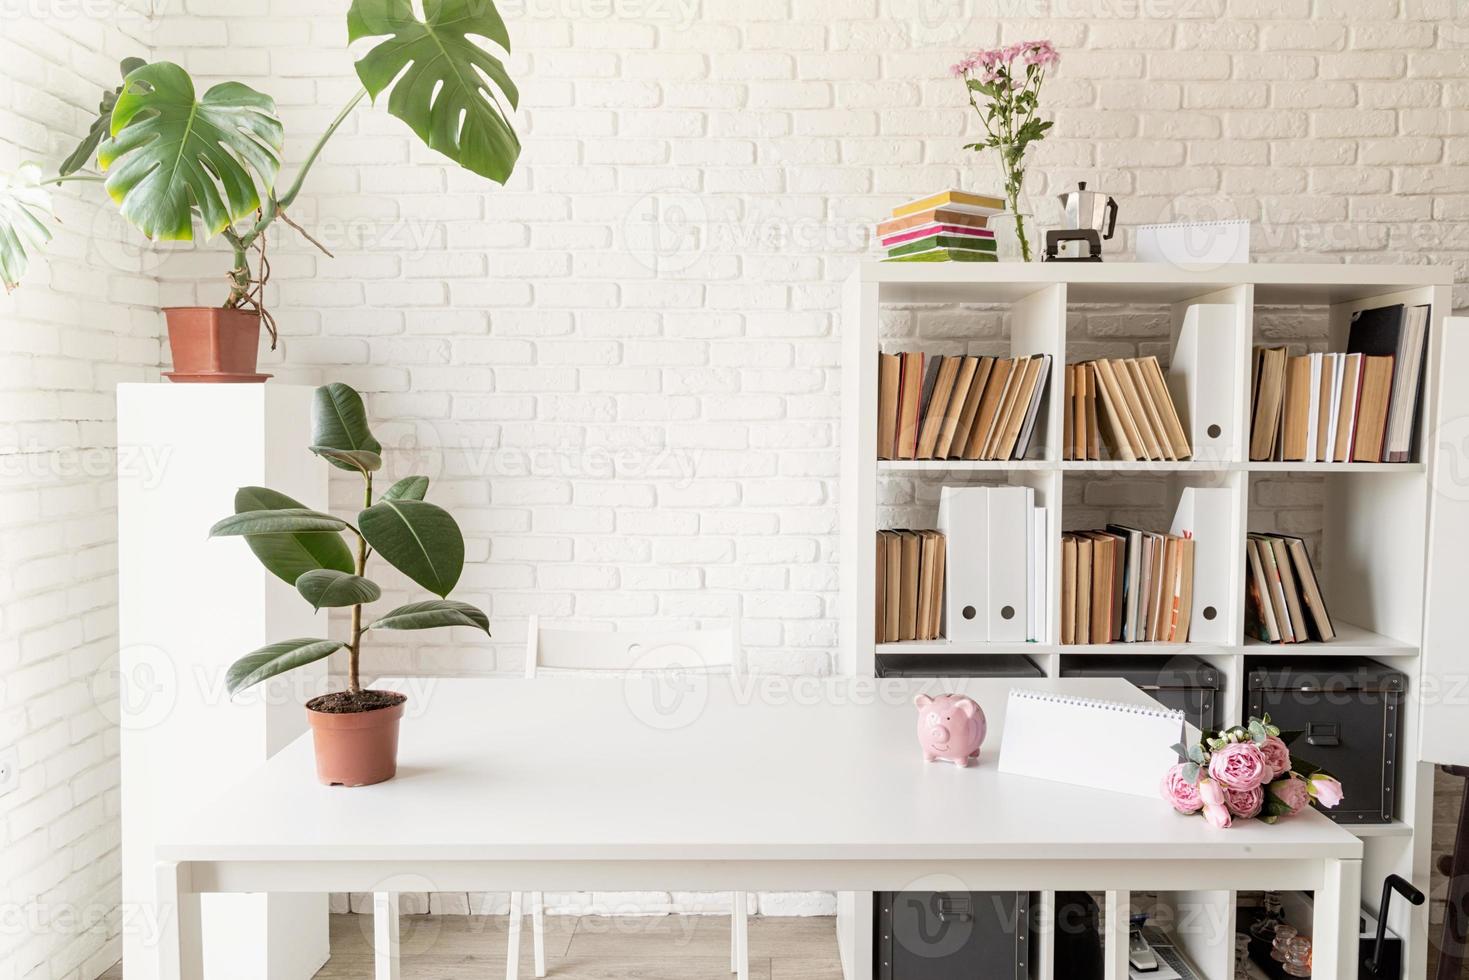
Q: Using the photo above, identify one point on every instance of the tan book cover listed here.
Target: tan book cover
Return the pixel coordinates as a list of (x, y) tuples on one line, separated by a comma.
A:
[(963, 380), (1269, 391), (1326, 367), (1068, 589), (938, 404), (936, 614), (933, 216), (1121, 434), (1152, 446), (927, 559), (1185, 606), (1020, 409), (1163, 398), (889, 376), (1103, 575), (970, 411), (1276, 589), (954, 199), (1291, 589), (1346, 422), (1310, 588), (1093, 426), (984, 421), (1372, 409), (1084, 562), (1151, 410), (880, 616), (908, 585), (1003, 411), (1068, 425), (910, 398), (1164, 548), (1296, 415), (1258, 588), (892, 617)]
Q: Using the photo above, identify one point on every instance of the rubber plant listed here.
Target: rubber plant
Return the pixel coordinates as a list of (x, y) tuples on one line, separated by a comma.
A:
[(307, 549), (178, 164)]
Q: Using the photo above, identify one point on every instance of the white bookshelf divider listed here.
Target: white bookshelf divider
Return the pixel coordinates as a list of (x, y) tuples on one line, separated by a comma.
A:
[(1393, 543)]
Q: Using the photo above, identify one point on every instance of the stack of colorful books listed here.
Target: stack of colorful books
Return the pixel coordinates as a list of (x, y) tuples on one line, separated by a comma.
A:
[(944, 227)]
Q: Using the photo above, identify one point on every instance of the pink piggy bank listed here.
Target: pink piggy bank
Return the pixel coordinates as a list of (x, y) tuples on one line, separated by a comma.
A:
[(951, 727)]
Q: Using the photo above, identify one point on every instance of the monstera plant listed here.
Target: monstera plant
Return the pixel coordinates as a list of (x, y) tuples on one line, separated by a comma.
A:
[(180, 164), (356, 730)]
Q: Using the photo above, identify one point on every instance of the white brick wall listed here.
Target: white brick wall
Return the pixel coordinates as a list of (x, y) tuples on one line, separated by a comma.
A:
[(621, 370), (85, 320)]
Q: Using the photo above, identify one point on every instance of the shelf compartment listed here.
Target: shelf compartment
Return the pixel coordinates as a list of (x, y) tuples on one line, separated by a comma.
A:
[(1351, 641), (962, 465)]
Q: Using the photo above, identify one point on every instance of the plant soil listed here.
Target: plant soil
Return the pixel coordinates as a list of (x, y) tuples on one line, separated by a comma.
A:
[(345, 702)]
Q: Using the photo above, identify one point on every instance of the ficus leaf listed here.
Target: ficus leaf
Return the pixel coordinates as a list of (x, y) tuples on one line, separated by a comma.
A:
[(419, 539), (339, 421), (433, 613), (288, 520), (327, 588), (288, 555), (408, 488), (361, 460), (277, 658)]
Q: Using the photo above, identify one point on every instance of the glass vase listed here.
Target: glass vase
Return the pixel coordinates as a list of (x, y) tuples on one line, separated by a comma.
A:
[(1016, 237)]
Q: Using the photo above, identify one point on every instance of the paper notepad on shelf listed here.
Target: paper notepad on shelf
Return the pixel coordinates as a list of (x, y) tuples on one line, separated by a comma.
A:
[(1088, 742)]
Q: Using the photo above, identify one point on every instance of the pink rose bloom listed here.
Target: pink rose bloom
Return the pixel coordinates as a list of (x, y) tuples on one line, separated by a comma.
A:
[(1326, 790), (1209, 793), (1239, 765), (1218, 816), (1244, 803), (1181, 794), (1277, 757), (1292, 792)]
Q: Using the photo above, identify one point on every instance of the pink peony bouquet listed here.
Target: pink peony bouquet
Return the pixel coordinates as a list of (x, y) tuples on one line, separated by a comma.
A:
[(1243, 772)]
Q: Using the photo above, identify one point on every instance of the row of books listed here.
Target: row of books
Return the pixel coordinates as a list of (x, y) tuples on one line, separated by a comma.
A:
[(1360, 406), (958, 406), (910, 585), (1285, 603), (946, 227), (1125, 584), (1121, 406)]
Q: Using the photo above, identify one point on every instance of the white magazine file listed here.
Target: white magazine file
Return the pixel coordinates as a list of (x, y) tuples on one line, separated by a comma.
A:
[(1042, 731), (1010, 547), (964, 521), (1203, 378), (1206, 514)]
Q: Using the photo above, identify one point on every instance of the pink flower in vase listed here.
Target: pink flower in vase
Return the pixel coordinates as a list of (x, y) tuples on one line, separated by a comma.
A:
[(1181, 794), (1277, 757), (1326, 790), (1244, 803), (1292, 792), (1239, 765)]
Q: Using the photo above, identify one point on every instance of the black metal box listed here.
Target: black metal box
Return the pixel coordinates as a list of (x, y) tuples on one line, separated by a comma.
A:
[(951, 935), (1349, 713), (956, 665), (1184, 683)]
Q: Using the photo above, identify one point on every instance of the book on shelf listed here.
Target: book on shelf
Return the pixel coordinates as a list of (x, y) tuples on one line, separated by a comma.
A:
[(996, 582), (958, 406), (1125, 406), (1283, 598), (944, 227), (1122, 584), (910, 582), (1361, 405)]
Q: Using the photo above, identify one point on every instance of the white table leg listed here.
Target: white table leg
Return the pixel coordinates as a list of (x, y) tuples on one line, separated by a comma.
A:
[(1334, 926), (512, 950), (538, 930), (385, 935), (180, 936), (1116, 916), (741, 925)]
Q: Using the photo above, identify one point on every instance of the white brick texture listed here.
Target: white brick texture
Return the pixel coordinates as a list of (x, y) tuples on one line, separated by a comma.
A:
[(621, 371)]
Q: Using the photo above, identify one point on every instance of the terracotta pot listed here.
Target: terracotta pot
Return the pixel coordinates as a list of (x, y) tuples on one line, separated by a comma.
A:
[(358, 748), (210, 343)]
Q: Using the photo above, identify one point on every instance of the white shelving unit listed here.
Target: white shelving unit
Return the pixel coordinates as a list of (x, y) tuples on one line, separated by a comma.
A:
[(1394, 538)]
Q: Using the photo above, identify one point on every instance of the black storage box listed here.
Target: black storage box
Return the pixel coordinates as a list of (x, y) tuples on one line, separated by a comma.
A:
[(951, 935), (956, 665), (1184, 683), (1349, 713)]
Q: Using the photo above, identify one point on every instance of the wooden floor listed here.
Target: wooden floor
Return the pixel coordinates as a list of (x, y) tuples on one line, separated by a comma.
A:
[(668, 947)]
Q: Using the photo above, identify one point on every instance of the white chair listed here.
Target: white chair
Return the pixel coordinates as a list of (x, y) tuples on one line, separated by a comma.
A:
[(711, 651)]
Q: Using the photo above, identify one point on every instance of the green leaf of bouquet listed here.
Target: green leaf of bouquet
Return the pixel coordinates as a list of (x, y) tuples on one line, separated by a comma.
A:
[(408, 488), (1196, 754), (288, 520), (23, 203), (328, 588), (1192, 772), (339, 421), (434, 613), (288, 555), (277, 658), (444, 85), (417, 538), (173, 154)]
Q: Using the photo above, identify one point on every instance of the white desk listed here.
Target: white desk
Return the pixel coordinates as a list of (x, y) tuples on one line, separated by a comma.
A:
[(758, 785)]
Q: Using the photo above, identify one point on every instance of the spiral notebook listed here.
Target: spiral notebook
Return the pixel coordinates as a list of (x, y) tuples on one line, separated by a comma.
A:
[(1087, 742)]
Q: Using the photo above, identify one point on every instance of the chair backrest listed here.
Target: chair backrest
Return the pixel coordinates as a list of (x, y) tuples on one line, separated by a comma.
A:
[(705, 651)]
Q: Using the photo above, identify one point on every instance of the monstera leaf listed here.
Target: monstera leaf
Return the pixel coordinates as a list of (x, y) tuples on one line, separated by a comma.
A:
[(102, 125), (172, 152), (445, 86), (22, 202)]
